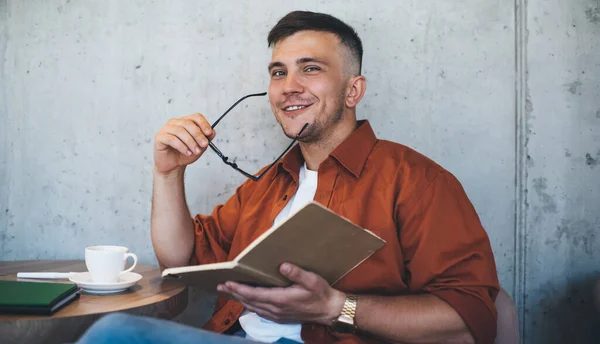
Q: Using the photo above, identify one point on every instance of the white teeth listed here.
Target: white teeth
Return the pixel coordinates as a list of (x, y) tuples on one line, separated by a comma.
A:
[(292, 108)]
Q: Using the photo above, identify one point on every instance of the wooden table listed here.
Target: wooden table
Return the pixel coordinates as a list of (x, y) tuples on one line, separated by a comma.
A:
[(152, 296)]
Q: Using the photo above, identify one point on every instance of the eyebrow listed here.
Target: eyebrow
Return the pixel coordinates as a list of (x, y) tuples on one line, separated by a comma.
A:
[(298, 61)]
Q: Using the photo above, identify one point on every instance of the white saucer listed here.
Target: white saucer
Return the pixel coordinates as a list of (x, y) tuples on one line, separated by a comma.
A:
[(84, 281)]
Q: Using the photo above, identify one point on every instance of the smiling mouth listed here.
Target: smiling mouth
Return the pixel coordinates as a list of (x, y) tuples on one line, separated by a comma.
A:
[(295, 108)]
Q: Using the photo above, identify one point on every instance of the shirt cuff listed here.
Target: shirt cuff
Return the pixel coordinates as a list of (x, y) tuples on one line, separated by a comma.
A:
[(479, 318)]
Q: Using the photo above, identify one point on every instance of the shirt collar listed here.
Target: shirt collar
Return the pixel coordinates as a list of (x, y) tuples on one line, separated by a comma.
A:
[(291, 162), (351, 154)]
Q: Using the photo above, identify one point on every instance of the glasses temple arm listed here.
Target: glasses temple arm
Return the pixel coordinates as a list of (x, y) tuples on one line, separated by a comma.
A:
[(285, 151), (234, 105)]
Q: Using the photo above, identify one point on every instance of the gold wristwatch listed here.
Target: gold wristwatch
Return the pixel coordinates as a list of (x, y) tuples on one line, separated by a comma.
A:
[(345, 322)]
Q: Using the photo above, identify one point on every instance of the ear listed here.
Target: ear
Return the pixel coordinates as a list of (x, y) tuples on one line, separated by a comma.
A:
[(357, 86)]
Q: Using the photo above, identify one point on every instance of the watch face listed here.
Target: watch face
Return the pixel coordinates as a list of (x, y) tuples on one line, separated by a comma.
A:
[(342, 327), (344, 324)]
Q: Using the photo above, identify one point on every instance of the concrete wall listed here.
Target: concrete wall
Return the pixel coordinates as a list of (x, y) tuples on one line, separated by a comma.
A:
[(505, 96), (563, 176), (3, 130)]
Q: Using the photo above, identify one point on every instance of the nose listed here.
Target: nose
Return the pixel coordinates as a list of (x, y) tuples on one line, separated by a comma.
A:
[(292, 84)]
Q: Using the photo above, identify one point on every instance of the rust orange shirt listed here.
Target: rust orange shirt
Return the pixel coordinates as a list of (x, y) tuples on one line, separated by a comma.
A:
[(435, 242)]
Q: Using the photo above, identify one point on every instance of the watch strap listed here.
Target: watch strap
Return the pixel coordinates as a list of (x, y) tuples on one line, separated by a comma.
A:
[(350, 306)]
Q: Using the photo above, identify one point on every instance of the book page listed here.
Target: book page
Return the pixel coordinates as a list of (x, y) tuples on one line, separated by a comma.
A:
[(315, 239)]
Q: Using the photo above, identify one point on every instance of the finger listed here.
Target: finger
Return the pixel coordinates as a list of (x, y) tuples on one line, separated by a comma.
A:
[(221, 288), (238, 297), (182, 134), (191, 127), (249, 293), (169, 140), (273, 309), (203, 124), (233, 291), (261, 312), (308, 280), (280, 297)]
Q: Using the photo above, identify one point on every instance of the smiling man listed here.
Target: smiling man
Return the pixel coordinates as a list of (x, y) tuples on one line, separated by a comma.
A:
[(435, 279)]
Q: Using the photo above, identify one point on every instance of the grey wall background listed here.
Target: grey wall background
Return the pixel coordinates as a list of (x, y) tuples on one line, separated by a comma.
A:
[(506, 95)]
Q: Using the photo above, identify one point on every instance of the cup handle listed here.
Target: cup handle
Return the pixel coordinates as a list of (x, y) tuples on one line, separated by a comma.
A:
[(135, 260)]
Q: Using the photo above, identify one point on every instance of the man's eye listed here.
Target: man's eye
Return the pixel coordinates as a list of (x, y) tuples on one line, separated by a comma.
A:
[(312, 69), (277, 73)]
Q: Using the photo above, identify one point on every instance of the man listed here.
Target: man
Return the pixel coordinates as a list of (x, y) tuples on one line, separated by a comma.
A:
[(434, 280)]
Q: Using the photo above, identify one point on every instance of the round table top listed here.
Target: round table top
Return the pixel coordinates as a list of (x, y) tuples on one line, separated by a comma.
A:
[(151, 296)]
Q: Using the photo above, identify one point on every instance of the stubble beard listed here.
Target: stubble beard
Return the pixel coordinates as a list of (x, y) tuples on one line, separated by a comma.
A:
[(319, 129)]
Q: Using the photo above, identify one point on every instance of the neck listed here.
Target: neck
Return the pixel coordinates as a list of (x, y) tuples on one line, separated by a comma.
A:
[(315, 153)]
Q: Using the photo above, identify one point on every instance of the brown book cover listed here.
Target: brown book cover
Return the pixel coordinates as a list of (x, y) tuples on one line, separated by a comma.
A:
[(314, 238)]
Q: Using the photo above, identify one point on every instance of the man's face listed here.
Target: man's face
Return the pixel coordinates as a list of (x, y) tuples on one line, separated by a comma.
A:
[(308, 83)]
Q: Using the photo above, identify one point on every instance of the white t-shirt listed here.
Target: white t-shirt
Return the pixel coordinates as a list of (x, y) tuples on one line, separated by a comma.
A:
[(256, 327)]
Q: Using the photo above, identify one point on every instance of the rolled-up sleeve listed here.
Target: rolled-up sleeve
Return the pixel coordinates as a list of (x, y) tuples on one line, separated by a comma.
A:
[(214, 233), (448, 254)]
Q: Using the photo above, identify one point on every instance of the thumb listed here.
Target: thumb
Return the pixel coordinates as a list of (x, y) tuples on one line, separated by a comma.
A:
[(301, 277)]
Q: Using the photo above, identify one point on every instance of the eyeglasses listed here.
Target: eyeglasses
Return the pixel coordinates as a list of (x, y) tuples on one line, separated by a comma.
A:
[(233, 164)]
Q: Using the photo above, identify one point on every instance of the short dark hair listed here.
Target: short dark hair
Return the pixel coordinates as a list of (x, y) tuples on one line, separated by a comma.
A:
[(297, 21)]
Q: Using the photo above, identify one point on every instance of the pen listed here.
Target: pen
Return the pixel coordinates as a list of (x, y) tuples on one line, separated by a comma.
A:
[(46, 275)]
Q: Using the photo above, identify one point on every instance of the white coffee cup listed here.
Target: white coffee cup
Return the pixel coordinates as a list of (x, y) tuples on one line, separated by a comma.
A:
[(107, 263)]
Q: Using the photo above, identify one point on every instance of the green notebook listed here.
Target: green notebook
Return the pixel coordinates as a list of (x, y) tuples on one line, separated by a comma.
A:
[(35, 297)]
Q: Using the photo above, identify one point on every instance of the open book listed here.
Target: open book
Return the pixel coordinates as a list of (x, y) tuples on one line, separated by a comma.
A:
[(314, 238)]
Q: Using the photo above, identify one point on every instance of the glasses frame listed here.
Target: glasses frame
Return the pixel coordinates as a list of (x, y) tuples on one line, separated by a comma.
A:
[(233, 164)]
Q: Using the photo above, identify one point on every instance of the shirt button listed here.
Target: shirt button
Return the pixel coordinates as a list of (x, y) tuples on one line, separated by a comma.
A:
[(227, 321)]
